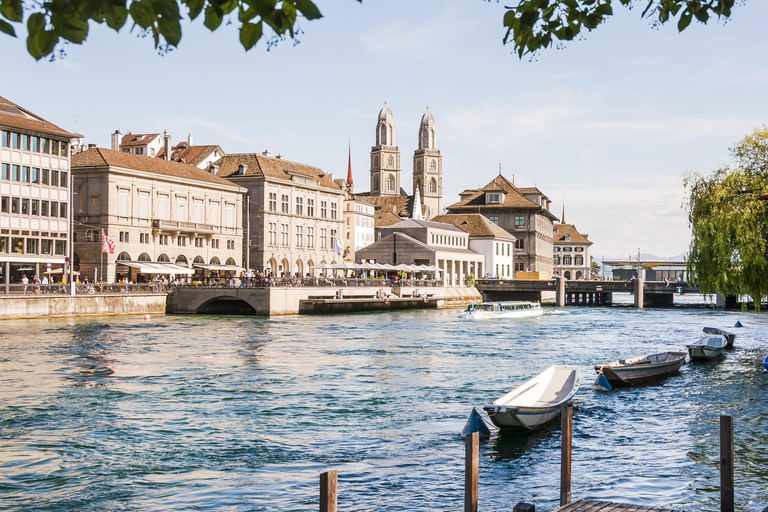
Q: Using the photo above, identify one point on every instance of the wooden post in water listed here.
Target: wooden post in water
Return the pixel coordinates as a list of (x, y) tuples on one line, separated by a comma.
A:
[(726, 464), (639, 293), (328, 481), (560, 291), (471, 462), (566, 431)]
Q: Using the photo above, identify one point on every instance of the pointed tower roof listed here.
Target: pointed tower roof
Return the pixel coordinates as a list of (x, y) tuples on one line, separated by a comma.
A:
[(416, 214), (349, 167), (427, 119), (385, 114)]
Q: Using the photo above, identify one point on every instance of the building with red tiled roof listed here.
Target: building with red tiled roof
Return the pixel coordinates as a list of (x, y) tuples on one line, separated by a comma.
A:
[(143, 144), (571, 252), (34, 194), (295, 212), (522, 211), (164, 217)]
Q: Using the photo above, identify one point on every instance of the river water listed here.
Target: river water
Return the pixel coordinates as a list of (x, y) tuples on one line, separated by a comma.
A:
[(243, 414)]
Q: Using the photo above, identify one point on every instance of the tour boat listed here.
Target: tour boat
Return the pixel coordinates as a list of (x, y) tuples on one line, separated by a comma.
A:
[(517, 309), (709, 347), (537, 401), (638, 370), (729, 336)]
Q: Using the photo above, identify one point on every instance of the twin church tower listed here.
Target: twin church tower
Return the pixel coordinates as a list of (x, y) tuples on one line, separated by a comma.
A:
[(385, 190)]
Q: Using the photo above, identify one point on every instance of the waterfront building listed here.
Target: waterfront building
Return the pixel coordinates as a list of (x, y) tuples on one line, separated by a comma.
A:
[(522, 211), (143, 144), (385, 188), (153, 145), (359, 223), (34, 195), (295, 219), (488, 239), (572, 257), (163, 217), (424, 242)]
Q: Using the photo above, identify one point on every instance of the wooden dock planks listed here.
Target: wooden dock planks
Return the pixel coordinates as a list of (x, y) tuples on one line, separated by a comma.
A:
[(582, 505)]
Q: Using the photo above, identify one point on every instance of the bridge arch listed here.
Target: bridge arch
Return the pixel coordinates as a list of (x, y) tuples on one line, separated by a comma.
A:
[(226, 305)]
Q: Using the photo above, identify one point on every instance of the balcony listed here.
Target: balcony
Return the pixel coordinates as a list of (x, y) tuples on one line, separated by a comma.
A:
[(183, 227)]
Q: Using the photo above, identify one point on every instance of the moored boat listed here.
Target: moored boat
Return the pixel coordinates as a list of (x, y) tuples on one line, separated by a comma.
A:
[(537, 401), (709, 347), (638, 370), (729, 336), (516, 309)]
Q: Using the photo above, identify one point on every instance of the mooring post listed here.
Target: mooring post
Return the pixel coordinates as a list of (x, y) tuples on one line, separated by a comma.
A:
[(566, 430), (726, 464), (560, 292), (471, 462), (328, 481), (639, 293)]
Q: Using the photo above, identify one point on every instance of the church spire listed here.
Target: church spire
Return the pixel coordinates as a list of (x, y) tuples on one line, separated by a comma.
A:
[(562, 219)]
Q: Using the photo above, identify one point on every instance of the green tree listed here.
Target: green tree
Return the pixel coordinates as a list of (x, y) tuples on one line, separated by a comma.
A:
[(537, 24), (594, 268), (729, 223)]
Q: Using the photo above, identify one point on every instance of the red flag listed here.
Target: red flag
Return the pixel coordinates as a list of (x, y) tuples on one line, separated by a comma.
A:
[(107, 244)]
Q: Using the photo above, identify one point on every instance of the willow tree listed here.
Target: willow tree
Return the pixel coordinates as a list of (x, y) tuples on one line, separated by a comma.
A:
[(729, 223)]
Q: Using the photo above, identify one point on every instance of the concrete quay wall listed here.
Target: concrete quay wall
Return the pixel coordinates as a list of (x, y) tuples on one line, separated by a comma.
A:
[(40, 306)]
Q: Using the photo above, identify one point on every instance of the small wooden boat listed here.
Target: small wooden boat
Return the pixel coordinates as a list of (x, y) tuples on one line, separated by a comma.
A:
[(537, 401), (729, 336), (517, 309), (638, 370), (709, 347)]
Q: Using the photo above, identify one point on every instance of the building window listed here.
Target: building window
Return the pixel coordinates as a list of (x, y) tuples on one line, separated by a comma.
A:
[(162, 207), (35, 177), (273, 201), (520, 243), (299, 206), (390, 184), (199, 242), (494, 198), (284, 204), (310, 237), (323, 238), (43, 208), (334, 211), (15, 173), (181, 241), (519, 221), (272, 233), (6, 171), (494, 219), (579, 260), (54, 208), (122, 201), (63, 210), (230, 215), (519, 267), (310, 207), (323, 209), (497, 248), (566, 260), (299, 236), (162, 239), (284, 235), (5, 204), (567, 238), (63, 180)]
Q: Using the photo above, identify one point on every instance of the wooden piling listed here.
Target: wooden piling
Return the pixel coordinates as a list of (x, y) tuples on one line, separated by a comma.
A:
[(328, 481), (566, 431), (471, 462), (726, 464)]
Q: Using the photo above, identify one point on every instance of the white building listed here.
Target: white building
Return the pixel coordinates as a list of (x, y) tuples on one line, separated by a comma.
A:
[(571, 252), (358, 226), (488, 239), (34, 194)]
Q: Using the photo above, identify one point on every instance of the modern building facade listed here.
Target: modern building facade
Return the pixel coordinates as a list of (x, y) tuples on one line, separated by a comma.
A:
[(296, 213), (488, 239), (572, 254), (423, 242), (163, 217), (358, 226), (34, 195), (521, 211)]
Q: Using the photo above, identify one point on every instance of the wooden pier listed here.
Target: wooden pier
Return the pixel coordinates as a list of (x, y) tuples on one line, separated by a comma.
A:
[(328, 480)]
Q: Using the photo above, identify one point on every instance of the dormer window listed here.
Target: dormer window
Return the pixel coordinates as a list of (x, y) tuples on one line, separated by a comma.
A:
[(493, 197), (241, 169), (567, 238)]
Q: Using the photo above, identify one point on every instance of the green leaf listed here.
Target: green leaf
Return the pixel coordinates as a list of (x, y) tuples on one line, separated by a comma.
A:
[(685, 20), (250, 33), (36, 23), (212, 18), (308, 9), (12, 10), (41, 44), (142, 14), (170, 30), (7, 28), (195, 7)]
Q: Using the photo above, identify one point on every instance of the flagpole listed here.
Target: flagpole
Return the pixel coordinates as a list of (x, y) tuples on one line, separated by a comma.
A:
[(101, 260)]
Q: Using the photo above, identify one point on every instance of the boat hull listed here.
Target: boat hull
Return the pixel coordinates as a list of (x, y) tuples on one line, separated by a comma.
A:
[(523, 418), (641, 373), (708, 348), (485, 315)]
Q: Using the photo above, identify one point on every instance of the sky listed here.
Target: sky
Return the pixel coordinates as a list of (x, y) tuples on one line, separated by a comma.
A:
[(606, 126)]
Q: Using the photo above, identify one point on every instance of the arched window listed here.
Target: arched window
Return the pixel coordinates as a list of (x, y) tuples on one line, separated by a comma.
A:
[(433, 186), (231, 261), (390, 184), (432, 165), (578, 275), (383, 135), (144, 257), (163, 258), (76, 262), (198, 259), (418, 165), (425, 138), (375, 162), (390, 162), (181, 260), (215, 261), (567, 274), (123, 256)]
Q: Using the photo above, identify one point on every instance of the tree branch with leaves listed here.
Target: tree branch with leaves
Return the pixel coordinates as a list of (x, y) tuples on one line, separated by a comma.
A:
[(729, 223)]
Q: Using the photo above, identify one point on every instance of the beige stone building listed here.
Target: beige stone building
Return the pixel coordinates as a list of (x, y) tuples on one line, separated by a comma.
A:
[(572, 252), (423, 242), (164, 218), (523, 212), (34, 195), (359, 223), (295, 216)]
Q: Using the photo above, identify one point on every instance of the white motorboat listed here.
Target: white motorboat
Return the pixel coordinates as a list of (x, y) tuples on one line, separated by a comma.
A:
[(517, 309), (537, 401), (709, 347)]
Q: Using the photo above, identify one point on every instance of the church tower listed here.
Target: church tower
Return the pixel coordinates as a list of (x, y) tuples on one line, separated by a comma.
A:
[(385, 157), (428, 168)]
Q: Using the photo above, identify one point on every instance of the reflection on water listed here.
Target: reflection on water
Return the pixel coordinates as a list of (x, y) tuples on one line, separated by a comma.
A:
[(211, 413)]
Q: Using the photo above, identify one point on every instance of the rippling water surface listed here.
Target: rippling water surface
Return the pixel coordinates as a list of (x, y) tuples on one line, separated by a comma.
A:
[(242, 414)]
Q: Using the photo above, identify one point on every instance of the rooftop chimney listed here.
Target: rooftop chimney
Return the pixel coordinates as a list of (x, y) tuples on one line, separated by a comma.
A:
[(189, 140), (116, 141), (279, 156), (167, 145), (266, 153)]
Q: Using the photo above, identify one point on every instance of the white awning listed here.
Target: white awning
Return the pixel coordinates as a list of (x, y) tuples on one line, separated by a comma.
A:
[(158, 267), (212, 266)]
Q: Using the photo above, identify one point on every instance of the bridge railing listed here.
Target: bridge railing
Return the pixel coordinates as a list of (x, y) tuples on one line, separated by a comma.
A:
[(317, 282)]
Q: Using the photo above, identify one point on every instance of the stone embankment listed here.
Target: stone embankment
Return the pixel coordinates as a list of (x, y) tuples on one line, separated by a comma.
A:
[(42, 306)]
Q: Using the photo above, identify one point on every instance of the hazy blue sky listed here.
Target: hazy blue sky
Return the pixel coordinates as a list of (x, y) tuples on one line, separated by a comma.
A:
[(610, 123)]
